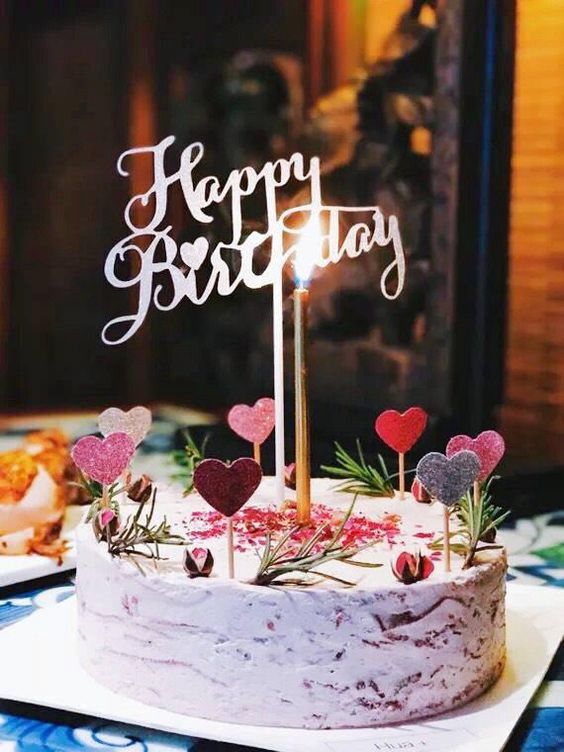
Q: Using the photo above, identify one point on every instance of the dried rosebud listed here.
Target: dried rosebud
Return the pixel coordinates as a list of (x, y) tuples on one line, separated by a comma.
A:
[(410, 568), (489, 536), (419, 492), (290, 475), (140, 490), (106, 520), (198, 562)]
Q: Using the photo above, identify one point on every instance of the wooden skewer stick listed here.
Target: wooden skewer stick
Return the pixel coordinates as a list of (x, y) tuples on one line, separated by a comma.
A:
[(401, 458), (476, 493), (230, 551), (105, 503), (256, 451), (446, 533)]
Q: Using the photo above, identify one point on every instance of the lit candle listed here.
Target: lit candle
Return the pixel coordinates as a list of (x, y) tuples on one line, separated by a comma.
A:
[(303, 469), (304, 260)]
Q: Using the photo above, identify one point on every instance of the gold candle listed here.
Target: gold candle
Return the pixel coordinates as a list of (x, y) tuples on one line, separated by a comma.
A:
[(303, 468)]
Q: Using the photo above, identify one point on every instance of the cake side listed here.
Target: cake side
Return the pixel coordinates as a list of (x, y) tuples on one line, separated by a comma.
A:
[(324, 657)]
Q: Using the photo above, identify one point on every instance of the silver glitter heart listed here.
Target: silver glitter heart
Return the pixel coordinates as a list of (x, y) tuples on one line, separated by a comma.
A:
[(447, 480), (135, 422)]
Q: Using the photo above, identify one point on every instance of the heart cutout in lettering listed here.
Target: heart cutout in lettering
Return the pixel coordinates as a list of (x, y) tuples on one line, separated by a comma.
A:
[(227, 487), (400, 431), (136, 422), (194, 254), (448, 479), (103, 460), (254, 423), (488, 445)]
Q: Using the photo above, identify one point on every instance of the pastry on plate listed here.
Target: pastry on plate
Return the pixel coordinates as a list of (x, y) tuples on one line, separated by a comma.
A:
[(34, 491)]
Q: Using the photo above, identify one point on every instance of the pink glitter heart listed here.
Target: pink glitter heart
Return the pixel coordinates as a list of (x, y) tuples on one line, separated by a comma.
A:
[(400, 431), (227, 487), (489, 446), (255, 423), (103, 460), (135, 422)]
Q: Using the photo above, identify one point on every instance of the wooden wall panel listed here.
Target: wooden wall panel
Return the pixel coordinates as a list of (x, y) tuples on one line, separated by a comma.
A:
[(533, 413)]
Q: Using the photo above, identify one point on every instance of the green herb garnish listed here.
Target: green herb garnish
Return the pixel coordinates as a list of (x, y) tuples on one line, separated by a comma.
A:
[(187, 460), (143, 537), (358, 476), (478, 525), (280, 558)]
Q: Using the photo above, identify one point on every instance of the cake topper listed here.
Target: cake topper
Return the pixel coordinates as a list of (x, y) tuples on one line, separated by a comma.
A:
[(148, 259), (400, 431), (489, 446), (103, 460), (254, 424), (447, 480), (136, 422), (227, 487)]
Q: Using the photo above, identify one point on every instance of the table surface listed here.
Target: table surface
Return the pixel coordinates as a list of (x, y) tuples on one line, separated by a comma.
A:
[(536, 556)]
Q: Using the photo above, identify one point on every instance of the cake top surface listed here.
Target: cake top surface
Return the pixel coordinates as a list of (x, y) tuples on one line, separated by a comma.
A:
[(382, 527)]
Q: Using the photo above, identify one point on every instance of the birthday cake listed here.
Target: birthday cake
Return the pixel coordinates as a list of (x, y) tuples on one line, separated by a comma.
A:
[(228, 603), (357, 646)]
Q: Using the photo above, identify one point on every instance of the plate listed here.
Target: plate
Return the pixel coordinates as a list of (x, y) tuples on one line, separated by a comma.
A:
[(40, 650), (16, 569)]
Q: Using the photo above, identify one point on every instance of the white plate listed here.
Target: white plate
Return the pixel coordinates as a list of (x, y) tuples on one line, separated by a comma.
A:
[(16, 569), (40, 666)]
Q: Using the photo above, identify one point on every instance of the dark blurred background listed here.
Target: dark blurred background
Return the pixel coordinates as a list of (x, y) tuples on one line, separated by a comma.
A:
[(447, 114)]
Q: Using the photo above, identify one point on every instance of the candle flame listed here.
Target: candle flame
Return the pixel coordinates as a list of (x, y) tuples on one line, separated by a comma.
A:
[(307, 250)]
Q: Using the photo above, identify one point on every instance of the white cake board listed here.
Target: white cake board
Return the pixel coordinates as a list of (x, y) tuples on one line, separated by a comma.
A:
[(40, 666)]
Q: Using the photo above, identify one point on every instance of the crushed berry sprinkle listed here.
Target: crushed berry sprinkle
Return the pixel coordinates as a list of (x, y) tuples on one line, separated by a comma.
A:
[(252, 524)]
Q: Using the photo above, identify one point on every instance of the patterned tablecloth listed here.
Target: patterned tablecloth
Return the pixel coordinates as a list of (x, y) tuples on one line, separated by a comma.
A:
[(536, 556)]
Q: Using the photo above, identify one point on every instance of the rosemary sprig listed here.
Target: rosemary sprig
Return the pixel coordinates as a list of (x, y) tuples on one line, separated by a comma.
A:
[(478, 523), (280, 558), (187, 460), (360, 477), (143, 537)]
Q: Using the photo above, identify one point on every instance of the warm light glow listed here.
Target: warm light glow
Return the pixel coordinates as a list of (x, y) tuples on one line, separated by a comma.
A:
[(307, 250)]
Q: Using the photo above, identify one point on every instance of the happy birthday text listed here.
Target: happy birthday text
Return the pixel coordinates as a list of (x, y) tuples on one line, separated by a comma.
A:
[(165, 271)]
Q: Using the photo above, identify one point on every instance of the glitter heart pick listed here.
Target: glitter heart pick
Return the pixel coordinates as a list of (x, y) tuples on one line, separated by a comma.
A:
[(227, 487), (136, 422), (488, 445), (400, 431), (254, 423), (103, 460), (448, 479)]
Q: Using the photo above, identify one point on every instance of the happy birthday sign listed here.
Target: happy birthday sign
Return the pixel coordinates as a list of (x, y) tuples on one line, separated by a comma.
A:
[(157, 272)]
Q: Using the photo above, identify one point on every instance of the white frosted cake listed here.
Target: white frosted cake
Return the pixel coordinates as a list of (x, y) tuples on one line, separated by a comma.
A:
[(322, 656)]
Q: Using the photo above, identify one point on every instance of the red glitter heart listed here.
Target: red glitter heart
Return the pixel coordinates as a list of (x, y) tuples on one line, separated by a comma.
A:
[(255, 423), (488, 445), (103, 460), (227, 487), (400, 431)]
